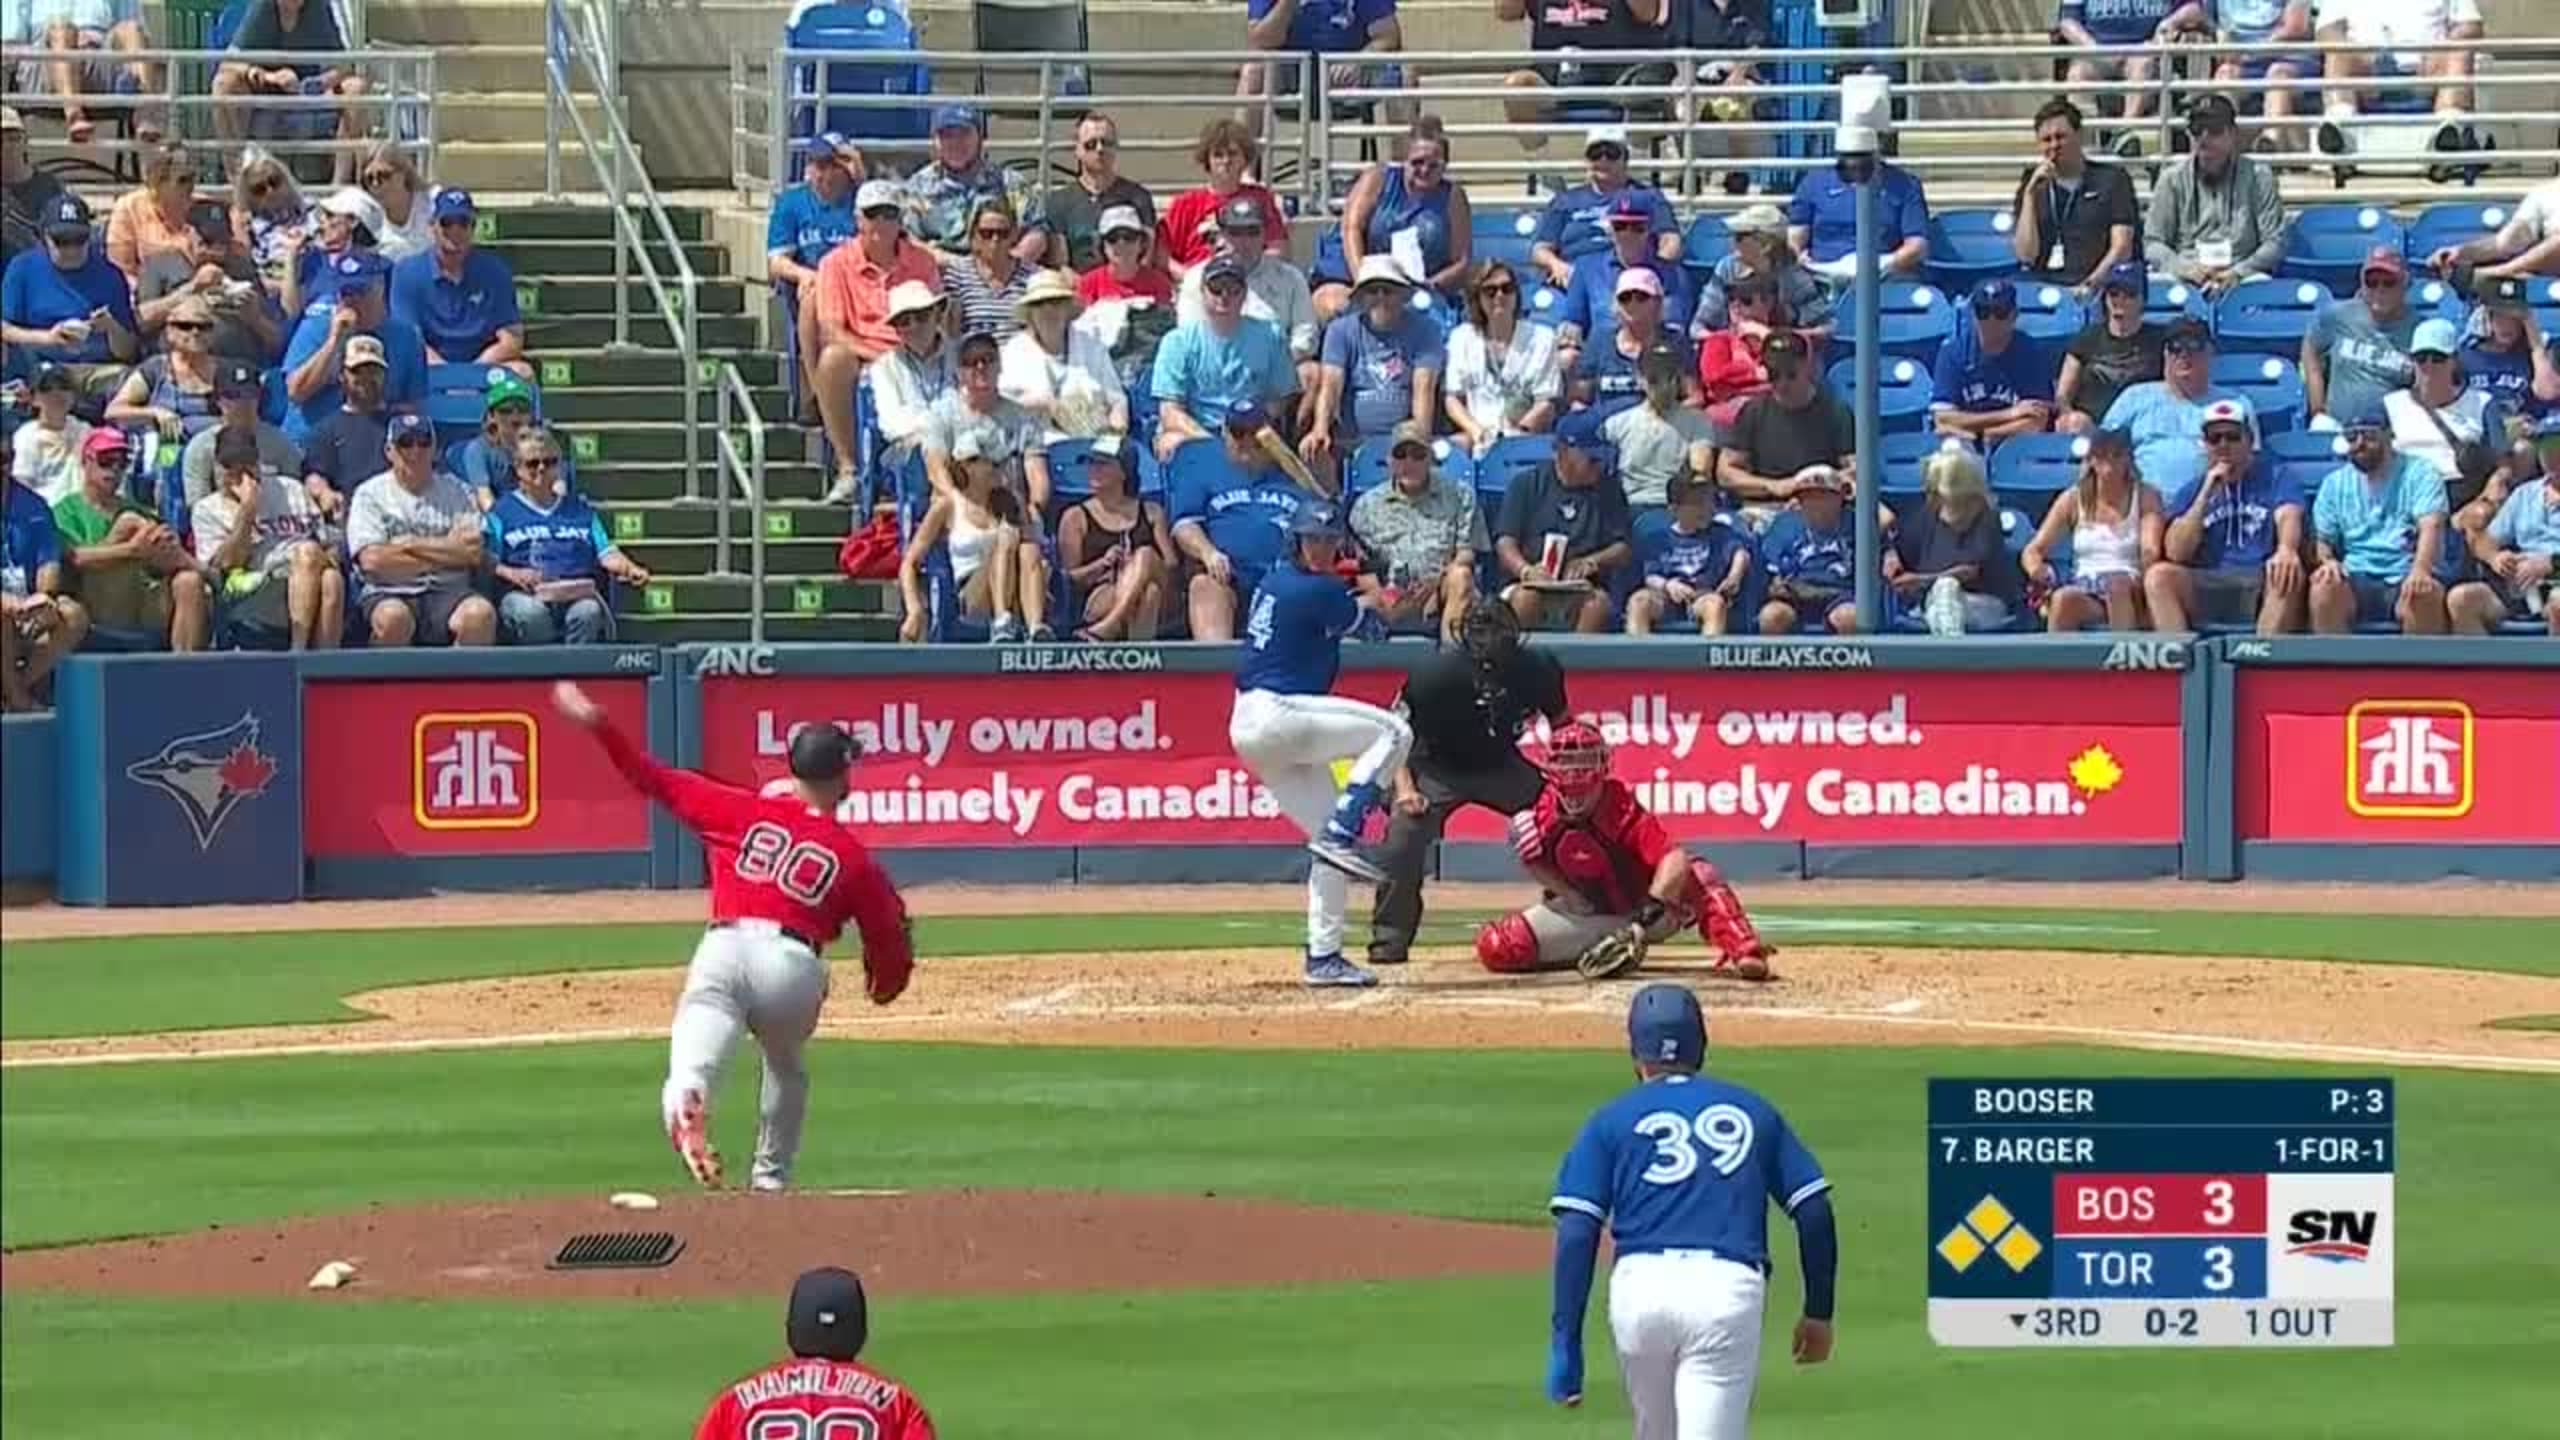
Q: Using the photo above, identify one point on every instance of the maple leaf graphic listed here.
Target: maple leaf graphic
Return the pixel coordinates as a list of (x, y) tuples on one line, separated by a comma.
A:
[(247, 771), (2095, 771)]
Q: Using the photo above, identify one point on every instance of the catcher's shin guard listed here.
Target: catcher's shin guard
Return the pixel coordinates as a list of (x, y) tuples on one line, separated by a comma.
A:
[(1727, 928), (1508, 946)]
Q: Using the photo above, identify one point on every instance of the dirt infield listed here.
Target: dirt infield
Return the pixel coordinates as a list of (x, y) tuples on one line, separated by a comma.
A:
[(943, 1242)]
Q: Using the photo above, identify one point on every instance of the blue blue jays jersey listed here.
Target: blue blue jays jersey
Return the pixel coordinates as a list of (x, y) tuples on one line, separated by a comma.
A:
[(1293, 634), (1685, 1162), (1699, 557), (1794, 550)]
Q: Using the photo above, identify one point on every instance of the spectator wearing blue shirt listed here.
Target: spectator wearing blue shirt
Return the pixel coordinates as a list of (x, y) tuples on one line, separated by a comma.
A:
[(1700, 567), (462, 298), (1232, 521), (808, 220), (2232, 552), (1413, 198), (2520, 548), (2095, 27), (1578, 222), (1564, 531), (1382, 362), (1809, 556), (1589, 313), (1992, 382), (1211, 366), (2165, 417), (314, 356), (39, 623), (64, 302), (1822, 222), (1323, 27), (1604, 377), (2381, 524), (2505, 352), (554, 563)]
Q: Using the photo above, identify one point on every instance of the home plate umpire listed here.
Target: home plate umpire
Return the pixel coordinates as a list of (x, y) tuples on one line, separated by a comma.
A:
[(1468, 707)]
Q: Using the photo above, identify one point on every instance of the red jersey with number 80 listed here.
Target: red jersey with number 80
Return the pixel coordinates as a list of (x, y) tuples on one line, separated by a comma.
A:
[(815, 1399), (773, 858)]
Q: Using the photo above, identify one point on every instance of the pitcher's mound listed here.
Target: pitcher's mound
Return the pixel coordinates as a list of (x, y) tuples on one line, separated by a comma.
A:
[(962, 1241)]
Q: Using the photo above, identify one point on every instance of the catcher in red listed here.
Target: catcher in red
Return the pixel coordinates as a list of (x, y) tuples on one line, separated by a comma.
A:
[(1615, 884)]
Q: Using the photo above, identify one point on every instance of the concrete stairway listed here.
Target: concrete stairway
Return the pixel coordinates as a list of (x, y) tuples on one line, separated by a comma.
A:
[(622, 414)]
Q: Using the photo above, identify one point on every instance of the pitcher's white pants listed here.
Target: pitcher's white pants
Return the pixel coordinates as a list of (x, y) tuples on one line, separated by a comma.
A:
[(746, 978), (1687, 1329), (1291, 742)]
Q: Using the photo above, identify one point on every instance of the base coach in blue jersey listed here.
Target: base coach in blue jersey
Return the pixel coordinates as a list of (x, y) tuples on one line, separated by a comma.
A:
[(1468, 705), (1683, 1169)]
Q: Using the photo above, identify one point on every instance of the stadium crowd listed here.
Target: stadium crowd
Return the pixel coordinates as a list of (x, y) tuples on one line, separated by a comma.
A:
[(1092, 408)]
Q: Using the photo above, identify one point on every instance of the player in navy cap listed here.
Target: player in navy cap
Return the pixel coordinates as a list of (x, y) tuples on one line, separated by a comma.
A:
[(1290, 729), (1682, 1169), (822, 1390)]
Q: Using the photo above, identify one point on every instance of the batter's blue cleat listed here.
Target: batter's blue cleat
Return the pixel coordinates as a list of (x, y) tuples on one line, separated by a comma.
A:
[(1334, 972), (1346, 856)]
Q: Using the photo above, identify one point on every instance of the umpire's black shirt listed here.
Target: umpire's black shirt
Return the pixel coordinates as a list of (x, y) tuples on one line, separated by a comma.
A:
[(1458, 727)]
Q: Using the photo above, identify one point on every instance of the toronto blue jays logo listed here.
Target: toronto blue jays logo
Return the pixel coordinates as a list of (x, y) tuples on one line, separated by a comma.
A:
[(209, 774)]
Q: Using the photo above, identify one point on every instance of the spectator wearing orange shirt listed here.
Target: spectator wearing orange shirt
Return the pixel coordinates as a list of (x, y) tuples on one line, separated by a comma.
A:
[(156, 216), (854, 282)]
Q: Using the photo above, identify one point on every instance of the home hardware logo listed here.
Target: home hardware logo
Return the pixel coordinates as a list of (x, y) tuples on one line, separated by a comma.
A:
[(2410, 759), (476, 771), (1989, 1228)]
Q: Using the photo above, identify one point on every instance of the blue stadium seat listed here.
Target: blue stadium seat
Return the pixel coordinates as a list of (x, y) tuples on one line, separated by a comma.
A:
[(2050, 315), (1903, 390), (456, 399), (1546, 302), (1904, 454), (2439, 227), (2267, 317), (2544, 296), (2288, 447), (2272, 387), (2173, 299), (2027, 471), (878, 27), (2326, 244), (1915, 321), (1706, 242), (1436, 307), (1368, 469), (2304, 476), (1503, 234), (1969, 246), (1068, 482)]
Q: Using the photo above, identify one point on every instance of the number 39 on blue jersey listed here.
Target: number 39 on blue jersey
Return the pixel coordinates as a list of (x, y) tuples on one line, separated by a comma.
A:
[(1685, 1162)]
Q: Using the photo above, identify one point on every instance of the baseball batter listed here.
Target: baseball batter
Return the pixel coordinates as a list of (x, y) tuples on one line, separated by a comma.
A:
[(786, 876), (1683, 1169), (1289, 728), (822, 1392), (1615, 884)]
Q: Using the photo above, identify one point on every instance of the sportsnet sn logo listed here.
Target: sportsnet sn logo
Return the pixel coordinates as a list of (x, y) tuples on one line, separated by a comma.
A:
[(2410, 759), (2340, 1237), (210, 774), (476, 771)]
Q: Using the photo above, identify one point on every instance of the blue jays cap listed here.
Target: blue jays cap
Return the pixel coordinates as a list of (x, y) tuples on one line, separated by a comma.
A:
[(361, 266), (1222, 268), (1995, 297), (1666, 1026), (956, 117), (830, 1317), (2548, 427), (2130, 277), (408, 427), (452, 204), (1316, 520), (2369, 416), (1245, 417), (1581, 431)]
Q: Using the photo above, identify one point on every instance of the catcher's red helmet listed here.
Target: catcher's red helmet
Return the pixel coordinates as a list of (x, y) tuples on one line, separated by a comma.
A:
[(1577, 764)]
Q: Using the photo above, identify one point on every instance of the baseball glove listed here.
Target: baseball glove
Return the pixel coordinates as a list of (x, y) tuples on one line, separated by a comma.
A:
[(1614, 954)]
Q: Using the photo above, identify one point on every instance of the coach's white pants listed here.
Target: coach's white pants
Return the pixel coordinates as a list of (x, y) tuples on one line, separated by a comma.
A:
[(1687, 1329), (1291, 742), (747, 978)]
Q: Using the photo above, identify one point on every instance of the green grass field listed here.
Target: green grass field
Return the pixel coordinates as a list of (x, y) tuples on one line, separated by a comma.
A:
[(87, 1152)]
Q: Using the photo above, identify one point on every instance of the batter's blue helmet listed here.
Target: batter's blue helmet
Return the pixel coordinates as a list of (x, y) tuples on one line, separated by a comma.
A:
[(1316, 520), (1665, 1026)]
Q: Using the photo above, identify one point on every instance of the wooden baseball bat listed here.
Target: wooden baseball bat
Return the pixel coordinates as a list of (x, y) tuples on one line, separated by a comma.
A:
[(1286, 457)]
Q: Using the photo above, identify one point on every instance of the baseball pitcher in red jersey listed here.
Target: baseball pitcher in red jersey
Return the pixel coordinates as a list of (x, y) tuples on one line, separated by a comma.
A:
[(1615, 883), (821, 1392), (786, 877)]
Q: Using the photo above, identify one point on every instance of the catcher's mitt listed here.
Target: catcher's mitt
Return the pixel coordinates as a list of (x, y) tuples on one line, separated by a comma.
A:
[(1613, 954)]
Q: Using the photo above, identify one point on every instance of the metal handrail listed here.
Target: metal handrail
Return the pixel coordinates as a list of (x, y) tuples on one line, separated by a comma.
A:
[(405, 89), (577, 31), (735, 403)]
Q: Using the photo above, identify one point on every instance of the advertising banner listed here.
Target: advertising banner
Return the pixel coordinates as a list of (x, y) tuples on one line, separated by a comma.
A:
[(1830, 757), (2398, 756), (465, 767)]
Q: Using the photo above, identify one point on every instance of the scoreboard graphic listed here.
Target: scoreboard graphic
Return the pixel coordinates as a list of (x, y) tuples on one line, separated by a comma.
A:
[(2161, 1212)]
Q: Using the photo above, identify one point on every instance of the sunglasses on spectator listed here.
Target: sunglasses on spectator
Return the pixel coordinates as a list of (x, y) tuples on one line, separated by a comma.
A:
[(1117, 236), (1497, 288), (881, 212), (2225, 435), (540, 462), (1605, 152), (2187, 347), (1097, 142), (979, 361), (1638, 297), (191, 326), (2382, 280), (995, 232), (1410, 450), (2368, 432), (457, 222), (414, 442), (264, 186), (914, 318), (380, 177), (1226, 287), (2431, 357)]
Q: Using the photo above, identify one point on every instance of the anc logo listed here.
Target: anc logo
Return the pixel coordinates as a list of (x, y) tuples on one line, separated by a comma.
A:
[(2341, 1237), (210, 774), (1989, 1228)]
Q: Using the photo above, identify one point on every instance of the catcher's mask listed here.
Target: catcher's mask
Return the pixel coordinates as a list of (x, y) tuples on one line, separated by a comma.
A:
[(1577, 765), (1489, 632)]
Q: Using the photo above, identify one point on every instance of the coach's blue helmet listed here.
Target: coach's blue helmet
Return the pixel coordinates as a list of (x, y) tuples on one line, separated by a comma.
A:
[(1666, 1026)]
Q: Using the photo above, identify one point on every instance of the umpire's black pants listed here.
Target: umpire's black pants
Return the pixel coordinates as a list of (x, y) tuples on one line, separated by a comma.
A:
[(1509, 788)]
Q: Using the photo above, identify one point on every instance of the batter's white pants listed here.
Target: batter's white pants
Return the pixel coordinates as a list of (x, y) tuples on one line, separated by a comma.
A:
[(1291, 742), (747, 978), (1687, 1329)]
